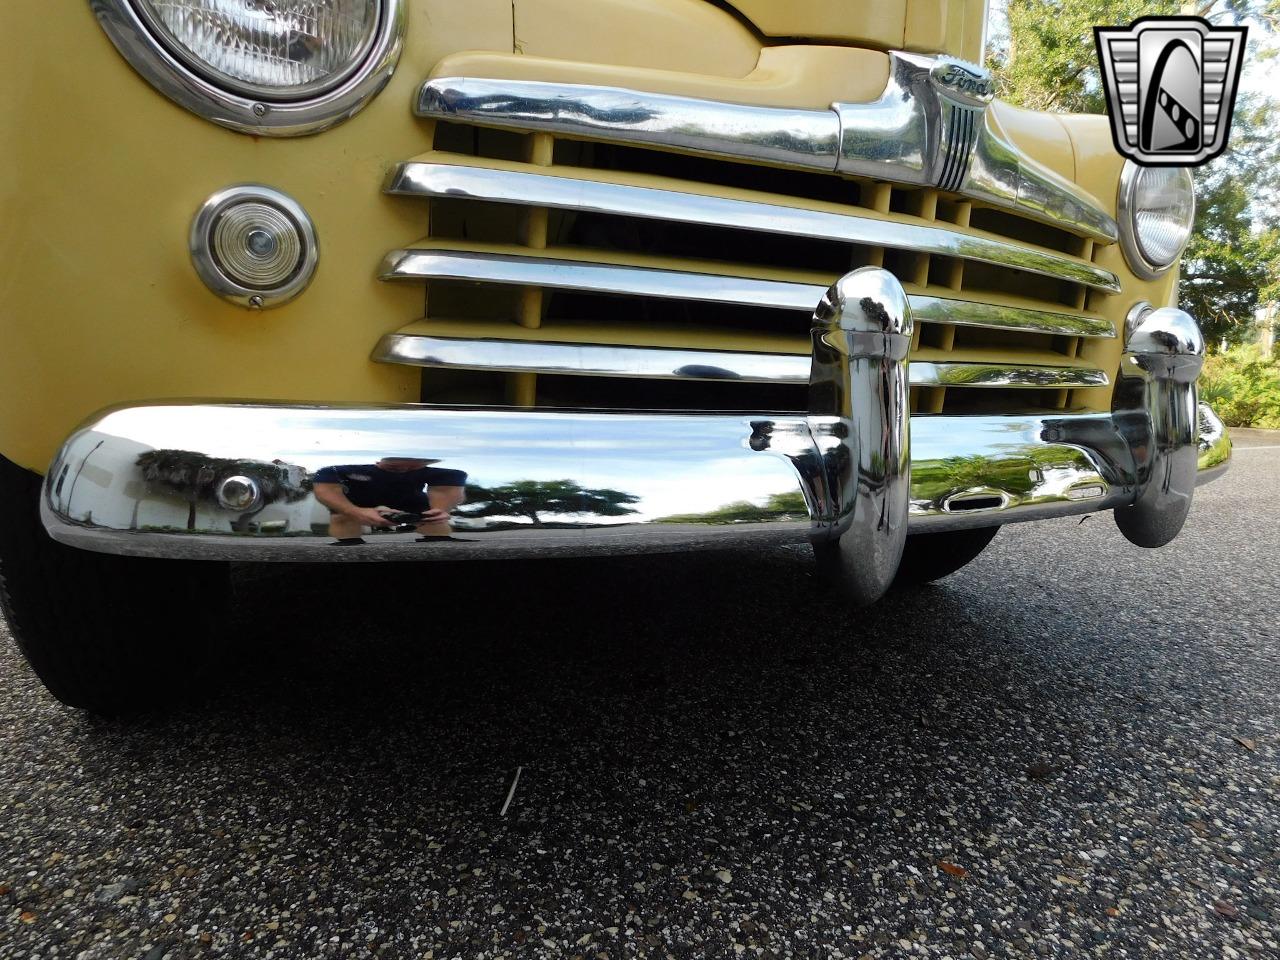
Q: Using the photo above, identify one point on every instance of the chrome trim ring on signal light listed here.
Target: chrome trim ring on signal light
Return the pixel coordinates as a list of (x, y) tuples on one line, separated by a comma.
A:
[(1138, 261), (138, 43), (218, 280)]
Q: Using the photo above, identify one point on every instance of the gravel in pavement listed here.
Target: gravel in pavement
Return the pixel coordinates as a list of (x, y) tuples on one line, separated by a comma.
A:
[(1070, 748)]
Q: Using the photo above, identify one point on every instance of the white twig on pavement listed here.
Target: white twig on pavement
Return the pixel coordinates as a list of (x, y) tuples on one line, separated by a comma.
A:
[(510, 793)]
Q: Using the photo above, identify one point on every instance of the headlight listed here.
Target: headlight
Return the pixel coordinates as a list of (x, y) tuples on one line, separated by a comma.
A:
[(261, 66), (275, 49), (1157, 206)]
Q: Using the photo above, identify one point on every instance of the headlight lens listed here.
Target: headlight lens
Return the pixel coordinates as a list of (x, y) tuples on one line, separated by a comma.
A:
[(1157, 206), (272, 49)]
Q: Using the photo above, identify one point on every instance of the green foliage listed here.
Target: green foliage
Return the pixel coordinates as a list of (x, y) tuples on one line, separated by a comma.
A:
[(1232, 264), (777, 506), (532, 498), (1243, 386), (1047, 61)]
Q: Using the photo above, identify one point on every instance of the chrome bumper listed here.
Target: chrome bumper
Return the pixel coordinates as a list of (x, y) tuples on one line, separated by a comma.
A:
[(231, 481)]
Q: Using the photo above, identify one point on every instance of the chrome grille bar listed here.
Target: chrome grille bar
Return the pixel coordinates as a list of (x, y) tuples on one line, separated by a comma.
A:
[(1005, 375), (922, 130), (524, 188), (565, 273), (994, 316), (808, 139), (607, 360), (581, 275)]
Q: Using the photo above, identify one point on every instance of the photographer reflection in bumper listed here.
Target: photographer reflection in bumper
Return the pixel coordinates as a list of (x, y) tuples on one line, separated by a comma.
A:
[(394, 492)]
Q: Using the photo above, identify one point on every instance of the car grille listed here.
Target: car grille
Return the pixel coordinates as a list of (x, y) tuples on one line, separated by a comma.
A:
[(565, 272)]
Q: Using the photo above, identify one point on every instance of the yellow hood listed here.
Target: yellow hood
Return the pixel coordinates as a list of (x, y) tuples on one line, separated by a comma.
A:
[(928, 26)]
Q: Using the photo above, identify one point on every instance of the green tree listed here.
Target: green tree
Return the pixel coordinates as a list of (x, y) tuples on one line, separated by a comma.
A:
[(533, 498), (1046, 60), (776, 506), (1243, 384), (1232, 264)]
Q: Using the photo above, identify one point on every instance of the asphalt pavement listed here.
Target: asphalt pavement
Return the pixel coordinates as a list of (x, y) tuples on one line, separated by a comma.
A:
[(1070, 748)]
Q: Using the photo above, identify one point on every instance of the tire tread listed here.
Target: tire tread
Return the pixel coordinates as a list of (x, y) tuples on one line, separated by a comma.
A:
[(110, 634)]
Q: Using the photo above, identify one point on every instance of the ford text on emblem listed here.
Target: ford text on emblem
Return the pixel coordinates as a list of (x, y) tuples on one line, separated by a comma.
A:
[(1171, 86), (965, 80)]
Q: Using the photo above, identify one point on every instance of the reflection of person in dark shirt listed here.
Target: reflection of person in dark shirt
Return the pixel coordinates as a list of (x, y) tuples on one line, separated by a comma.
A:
[(361, 495)]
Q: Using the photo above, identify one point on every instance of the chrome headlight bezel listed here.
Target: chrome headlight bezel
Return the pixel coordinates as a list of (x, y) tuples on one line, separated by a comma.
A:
[(1139, 259), (238, 106)]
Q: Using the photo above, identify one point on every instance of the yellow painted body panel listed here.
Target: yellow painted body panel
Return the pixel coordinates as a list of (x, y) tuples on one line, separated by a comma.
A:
[(874, 24), (98, 300), (951, 26), (99, 304), (804, 77), (1040, 135), (687, 36)]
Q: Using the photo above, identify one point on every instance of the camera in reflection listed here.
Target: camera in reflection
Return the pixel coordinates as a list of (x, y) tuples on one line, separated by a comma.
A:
[(395, 492)]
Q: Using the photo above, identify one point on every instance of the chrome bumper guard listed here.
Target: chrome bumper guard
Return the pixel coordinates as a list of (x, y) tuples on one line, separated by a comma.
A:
[(233, 481)]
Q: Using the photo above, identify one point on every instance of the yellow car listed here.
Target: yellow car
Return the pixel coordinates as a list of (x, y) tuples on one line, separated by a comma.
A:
[(369, 280)]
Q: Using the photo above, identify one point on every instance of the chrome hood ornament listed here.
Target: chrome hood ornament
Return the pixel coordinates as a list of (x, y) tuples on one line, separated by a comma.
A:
[(962, 79), (964, 90), (931, 126)]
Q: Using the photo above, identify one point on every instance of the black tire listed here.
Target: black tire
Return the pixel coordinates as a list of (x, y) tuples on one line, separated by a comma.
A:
[(931, 556), (113, 635)]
